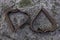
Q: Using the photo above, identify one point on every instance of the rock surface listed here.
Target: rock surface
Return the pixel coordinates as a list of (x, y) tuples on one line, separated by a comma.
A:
[(53, 7)]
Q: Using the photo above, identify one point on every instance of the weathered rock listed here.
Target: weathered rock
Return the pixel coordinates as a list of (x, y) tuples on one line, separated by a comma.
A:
[(26, 33)]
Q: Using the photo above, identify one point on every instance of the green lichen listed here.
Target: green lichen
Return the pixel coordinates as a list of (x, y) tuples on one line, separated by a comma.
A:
[(24, 3)]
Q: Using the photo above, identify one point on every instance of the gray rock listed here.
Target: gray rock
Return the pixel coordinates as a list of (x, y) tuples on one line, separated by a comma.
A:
[(25, 33)]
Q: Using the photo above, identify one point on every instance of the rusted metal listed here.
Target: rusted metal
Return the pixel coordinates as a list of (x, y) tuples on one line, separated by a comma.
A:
[(51, 19)]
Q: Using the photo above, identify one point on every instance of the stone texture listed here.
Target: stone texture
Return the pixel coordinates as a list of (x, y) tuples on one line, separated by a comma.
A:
[(25, 33), (42, 22)]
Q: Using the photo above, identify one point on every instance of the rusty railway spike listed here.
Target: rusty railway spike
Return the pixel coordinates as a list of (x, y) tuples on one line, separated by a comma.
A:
[(51, 19), (7, 18)]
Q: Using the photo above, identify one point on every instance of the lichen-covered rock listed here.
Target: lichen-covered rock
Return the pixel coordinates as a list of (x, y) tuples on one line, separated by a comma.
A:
[(24, 3)]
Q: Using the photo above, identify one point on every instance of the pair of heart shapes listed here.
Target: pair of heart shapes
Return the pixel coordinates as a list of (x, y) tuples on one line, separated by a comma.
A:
[(51, 19)]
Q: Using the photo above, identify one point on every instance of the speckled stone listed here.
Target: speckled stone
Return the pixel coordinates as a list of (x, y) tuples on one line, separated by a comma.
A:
[(25, 33)]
